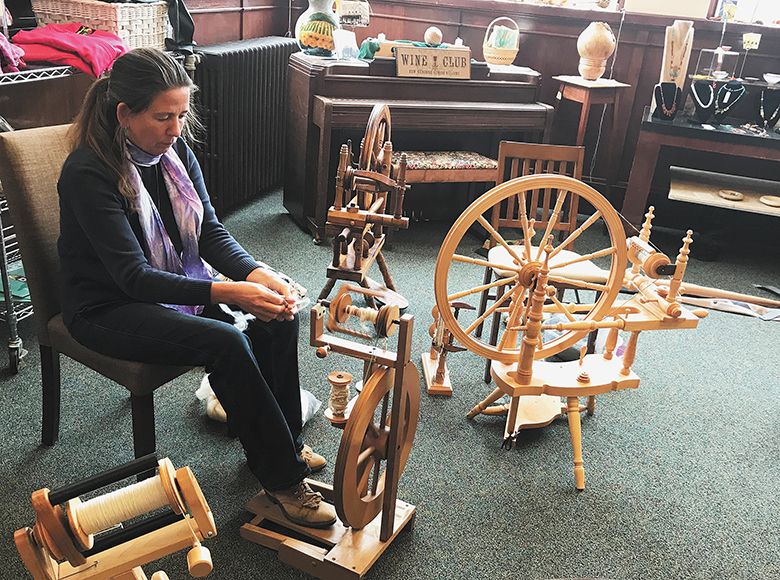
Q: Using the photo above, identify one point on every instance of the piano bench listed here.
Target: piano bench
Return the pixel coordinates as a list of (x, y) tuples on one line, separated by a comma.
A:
[(447, 167)]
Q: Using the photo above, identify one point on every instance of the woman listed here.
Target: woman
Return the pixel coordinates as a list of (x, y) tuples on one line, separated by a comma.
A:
[(138, 241)]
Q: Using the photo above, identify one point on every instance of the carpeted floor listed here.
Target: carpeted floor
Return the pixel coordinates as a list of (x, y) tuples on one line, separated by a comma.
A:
[(681, 473)]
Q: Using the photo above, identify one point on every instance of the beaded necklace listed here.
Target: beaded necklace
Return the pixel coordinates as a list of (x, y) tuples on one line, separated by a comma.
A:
[(698, 100), (772, 119), (668, 111), (725, 107), (674, 69)]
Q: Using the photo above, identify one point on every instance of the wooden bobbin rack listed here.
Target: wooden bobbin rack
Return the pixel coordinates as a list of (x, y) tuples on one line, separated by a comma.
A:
[(379, 430), (79, 540)]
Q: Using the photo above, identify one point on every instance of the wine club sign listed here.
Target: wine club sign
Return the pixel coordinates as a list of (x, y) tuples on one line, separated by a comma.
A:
[(447, 63)]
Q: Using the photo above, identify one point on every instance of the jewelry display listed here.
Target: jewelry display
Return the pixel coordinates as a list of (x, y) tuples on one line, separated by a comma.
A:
[(667, 97), (728, 96), (703, 95), (768, 113), (679, 53)]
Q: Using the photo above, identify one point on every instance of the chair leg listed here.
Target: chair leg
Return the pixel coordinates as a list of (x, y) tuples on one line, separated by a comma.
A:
[(142, 408), (495, 325), (487, 279), (50, 378)]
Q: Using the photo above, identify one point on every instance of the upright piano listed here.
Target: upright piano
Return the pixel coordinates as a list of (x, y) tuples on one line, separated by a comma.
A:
[(331, 100)]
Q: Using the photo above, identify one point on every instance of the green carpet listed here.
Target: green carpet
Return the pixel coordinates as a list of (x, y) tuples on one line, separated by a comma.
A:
[(682, 473)]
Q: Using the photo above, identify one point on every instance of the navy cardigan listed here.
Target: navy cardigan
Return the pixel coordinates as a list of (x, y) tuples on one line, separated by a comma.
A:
[(102, 250)]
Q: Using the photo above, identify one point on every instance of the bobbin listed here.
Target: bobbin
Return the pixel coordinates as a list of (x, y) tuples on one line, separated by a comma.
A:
[(62, 541)]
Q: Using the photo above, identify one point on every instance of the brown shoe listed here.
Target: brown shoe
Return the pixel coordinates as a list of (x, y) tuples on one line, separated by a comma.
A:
[(302, 505), (315, 461)]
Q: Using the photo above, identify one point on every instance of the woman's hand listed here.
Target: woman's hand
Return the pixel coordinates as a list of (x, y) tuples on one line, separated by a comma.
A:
[(270, 280), (257, 299), (273, 281)]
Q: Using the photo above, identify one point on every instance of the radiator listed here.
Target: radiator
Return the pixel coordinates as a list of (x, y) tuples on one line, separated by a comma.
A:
[(242, 102)]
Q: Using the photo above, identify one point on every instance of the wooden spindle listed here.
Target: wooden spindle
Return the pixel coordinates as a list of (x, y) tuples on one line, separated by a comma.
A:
[(644, 235), (680, 265), (609, 347), (630, 354)]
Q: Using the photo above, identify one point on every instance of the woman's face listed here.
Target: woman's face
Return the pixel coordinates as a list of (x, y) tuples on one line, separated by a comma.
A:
[(155, 129)]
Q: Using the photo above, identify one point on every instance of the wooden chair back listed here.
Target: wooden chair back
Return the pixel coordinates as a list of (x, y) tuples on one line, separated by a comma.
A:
[(521, 159)]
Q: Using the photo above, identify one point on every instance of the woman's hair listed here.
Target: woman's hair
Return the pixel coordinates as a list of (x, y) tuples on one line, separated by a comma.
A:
[(136, 78)]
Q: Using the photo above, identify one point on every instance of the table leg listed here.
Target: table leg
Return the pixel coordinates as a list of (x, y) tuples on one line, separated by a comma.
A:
[(641, 178), (584, 114), (616, 142), (320, 197)]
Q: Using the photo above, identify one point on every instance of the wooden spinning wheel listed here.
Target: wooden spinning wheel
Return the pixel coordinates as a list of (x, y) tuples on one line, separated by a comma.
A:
[(517, 280), (364, 445), (377, 133), (379, 426)]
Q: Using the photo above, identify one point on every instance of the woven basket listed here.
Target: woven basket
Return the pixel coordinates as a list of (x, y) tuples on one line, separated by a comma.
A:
[(499, 55), (138, 25)]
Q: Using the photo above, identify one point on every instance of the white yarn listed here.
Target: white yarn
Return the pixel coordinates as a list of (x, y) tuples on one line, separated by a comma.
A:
[(124, 504), (339, 397)]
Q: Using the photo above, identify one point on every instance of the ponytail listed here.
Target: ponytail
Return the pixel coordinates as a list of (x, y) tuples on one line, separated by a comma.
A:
[(97, 128)]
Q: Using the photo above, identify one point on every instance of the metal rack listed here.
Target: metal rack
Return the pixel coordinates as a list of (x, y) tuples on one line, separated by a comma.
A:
[(13, 308)]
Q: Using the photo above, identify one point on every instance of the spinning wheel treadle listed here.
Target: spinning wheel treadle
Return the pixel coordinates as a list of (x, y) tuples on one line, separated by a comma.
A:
[(518, 280), (364, 445)]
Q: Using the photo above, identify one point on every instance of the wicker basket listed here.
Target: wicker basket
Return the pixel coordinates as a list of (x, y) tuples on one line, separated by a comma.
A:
[(138, 25), (499, 55)]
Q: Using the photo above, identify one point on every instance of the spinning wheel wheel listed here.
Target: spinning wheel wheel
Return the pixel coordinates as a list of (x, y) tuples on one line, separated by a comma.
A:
[(517, 280), (377, 132), (365, 445)]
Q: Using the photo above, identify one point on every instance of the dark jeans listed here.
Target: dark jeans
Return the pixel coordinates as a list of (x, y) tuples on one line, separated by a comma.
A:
[(254, 374)]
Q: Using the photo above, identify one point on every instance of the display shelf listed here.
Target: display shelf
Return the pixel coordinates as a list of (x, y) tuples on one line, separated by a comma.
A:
[(702, 187), (24, 76)]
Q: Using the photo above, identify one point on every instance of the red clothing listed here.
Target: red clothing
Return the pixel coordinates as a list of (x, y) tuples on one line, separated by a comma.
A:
[(89, 50)]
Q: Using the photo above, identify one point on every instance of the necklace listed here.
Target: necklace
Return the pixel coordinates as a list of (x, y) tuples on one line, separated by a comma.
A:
[(675, 68), (696, 98), (723, 106), (772, 119), (668, 111)]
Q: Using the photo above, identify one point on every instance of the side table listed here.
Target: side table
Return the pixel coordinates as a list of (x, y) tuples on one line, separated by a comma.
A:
[(588, 93)]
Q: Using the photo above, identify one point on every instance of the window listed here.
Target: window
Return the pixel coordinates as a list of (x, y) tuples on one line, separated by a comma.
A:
[(754, 11)]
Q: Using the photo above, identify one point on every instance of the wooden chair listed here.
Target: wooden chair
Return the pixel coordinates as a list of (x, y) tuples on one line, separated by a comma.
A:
[(30, 164), (522, 159)]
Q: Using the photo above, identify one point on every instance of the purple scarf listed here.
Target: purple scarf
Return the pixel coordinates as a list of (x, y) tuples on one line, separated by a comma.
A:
[(187, 210)]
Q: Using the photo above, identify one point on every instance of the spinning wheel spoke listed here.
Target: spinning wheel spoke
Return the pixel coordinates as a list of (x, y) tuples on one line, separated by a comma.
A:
[(525, 224), (517, 306), (488, 312), (509, 202), (576, 233), (562, 308), (484, 263), (584, 258), (500, 239), (553, 221), (477, 289)]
